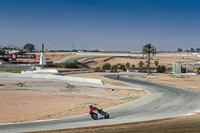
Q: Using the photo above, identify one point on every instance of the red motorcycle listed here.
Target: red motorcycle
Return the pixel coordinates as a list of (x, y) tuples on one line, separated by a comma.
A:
[(98, 113)]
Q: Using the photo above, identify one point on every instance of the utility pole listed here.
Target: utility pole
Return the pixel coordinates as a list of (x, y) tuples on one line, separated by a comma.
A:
[(54, 48), (187, 67), (72, 46)]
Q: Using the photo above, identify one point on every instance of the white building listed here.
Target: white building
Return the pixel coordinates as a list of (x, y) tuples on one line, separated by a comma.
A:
[(11, 51)]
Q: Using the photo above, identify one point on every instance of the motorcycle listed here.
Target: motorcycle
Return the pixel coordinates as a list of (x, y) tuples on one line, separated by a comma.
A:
[(98, 114)]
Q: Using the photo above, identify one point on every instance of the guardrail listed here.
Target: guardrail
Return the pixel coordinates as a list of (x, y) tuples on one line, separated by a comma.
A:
[(48, 76)]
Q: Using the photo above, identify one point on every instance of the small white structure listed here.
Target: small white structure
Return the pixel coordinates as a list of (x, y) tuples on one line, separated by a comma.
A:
[(176, 68), (11, 51), (40, 70), (42, 57)]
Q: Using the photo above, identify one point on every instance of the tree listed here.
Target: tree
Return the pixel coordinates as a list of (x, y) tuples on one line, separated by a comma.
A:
[(161, 69), (140, 64), (133, 66), (156, 63), (148, 49), (192, 50), (97, 68), (119, 66), (2, 52), (198, 50), (106, 66), (179, 50), (30, 47), (127, 65)]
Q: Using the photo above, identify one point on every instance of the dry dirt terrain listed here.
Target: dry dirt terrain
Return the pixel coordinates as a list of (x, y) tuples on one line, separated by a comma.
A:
[(40, 99), (98, 62), (55, 102)]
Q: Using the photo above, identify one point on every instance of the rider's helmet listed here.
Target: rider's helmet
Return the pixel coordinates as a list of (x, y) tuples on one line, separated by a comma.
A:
[(91, 106)]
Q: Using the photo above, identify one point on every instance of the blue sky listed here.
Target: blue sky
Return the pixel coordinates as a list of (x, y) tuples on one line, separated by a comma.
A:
[(101, 24)]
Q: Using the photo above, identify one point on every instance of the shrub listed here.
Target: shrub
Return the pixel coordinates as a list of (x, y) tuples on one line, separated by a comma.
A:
[(106, 66), (140, 64), (127, 65), (119, 66), (71, 65), (156, 63), (97, 68), (2, 52), (133, 66), (161, 69), (183, 69)]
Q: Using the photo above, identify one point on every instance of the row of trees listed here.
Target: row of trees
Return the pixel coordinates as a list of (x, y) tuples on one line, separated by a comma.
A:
[(124, 67), (2, 52), (147, 50), (28, 46), (191, 50)]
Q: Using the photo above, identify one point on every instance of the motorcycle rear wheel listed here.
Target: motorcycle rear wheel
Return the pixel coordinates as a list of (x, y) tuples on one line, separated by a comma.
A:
[(106, 116)]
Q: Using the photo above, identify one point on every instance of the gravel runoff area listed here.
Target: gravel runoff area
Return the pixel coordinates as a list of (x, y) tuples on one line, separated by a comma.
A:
[(29, 99)]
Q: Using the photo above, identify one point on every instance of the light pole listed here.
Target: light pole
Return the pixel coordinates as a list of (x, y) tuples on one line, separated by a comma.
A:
[(54, 48)]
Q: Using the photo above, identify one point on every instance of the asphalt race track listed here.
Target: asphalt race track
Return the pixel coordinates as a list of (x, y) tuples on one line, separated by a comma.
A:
[(161, 102)]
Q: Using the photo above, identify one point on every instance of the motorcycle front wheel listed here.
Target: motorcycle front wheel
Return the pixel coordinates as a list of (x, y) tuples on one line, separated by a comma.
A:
[(94, 116)]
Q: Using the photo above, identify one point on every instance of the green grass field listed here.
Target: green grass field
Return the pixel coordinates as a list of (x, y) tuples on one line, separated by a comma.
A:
[(11, 70), (174, 76), (127, 98)]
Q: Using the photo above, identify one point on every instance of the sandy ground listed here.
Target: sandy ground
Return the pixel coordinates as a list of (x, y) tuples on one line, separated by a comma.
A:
[(98, 75), (100, 61), (40, 99)]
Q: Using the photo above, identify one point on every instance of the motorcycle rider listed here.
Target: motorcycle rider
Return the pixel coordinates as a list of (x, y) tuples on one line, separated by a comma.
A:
[(95, 110)]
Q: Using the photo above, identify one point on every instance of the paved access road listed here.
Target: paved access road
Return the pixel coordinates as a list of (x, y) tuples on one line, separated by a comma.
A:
[(161, 102), (12, 66)]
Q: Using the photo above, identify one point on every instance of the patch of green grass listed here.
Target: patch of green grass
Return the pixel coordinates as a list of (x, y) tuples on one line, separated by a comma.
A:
[(127, 98), (49, 115), (11, 70), (135, 76), (95, 104), (174, 76)]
